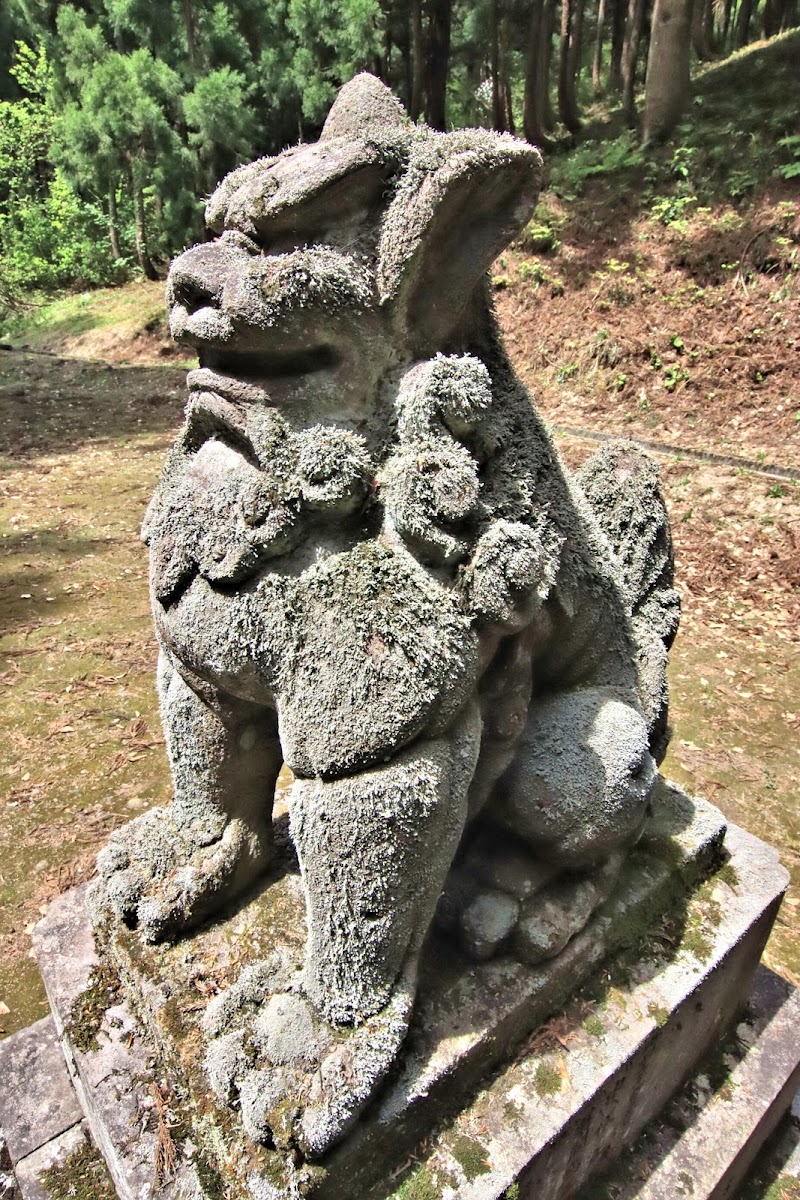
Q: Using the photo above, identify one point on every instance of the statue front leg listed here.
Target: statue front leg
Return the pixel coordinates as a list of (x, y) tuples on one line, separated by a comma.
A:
[(175, 865), (304, 1054), (374, 850)]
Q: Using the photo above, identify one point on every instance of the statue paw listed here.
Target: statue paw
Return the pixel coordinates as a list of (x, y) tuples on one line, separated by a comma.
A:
[(504, 899), (549, 920), (299, 1081), (156, 876)]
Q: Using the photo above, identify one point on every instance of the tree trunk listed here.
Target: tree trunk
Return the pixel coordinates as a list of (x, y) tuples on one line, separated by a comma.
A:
[(577, 53), (508, 102), (140, 224), (702, 24), (597, 58), (618, 9), (498, 121), (774, 17), (547, 51), (567, 104), (417, 61), (536, 78), (630, 52), (190, 24), (743, 22), (113, 228), (667, 92), (438, 62), (790, 18)]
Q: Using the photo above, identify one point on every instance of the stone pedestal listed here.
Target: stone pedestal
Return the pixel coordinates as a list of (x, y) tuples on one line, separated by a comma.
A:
[(511, 1078)]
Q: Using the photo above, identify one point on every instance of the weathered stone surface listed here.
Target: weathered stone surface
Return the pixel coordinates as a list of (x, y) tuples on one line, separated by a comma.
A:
[(8, 1182), (37, 1099), (368, 563), (51, 1154), (717, 1150), (486, 922), (114, 1082), (704, 1142), (465, 1020), (557, 1115)]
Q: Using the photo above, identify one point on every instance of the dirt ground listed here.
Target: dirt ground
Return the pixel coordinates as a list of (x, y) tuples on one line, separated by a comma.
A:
[(674, 348)]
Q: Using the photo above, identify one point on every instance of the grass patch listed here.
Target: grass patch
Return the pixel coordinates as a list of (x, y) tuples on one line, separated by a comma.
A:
[(547, 1080), (89, 1008), (82, 1176), (52, 320)]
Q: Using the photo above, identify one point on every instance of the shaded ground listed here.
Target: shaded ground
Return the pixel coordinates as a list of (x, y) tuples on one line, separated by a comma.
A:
[(81, 743)]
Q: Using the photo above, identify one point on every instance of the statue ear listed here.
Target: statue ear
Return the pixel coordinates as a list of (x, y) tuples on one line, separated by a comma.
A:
[(447, 223)]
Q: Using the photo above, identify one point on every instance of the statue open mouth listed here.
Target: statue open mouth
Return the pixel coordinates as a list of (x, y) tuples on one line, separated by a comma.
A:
[(228, 372)]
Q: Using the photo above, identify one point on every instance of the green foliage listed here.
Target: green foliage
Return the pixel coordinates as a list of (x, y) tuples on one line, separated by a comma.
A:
[(790, 143), (116, 114), (675, 375), (347, 34), (673, 211), (538, 237), (49, 235), (592, 159)]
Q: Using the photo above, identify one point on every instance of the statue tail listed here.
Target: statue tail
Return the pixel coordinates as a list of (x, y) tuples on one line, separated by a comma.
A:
[(623, 487)]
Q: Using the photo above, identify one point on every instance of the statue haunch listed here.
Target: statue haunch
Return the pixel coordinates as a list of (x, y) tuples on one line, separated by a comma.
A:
[(367, 562)]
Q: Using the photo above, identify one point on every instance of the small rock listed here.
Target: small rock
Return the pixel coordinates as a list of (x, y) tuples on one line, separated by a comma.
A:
[(487, 922), (460, 890), (286, 1030), (552, 917)]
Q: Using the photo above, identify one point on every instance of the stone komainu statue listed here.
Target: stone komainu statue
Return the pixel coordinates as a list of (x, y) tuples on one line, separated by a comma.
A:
[(368, 562)]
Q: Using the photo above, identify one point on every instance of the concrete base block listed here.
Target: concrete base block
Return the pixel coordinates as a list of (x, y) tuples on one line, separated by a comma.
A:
[(552, 1114), (559, 1115), (722, 1137), (30, 1172), (116, 1077), (39, 1101)]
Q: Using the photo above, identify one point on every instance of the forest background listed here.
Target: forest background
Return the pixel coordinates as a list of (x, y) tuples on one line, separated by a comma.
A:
[(116, 116)]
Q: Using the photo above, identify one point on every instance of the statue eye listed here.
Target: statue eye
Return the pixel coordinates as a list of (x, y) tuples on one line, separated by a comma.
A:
[(234, 237)]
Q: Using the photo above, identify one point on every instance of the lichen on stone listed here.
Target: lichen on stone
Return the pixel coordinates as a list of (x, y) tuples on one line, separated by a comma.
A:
[(369, 565)]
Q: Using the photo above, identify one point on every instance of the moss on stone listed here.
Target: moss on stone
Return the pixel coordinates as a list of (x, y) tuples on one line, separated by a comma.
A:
[(512, 1192), (210, 1179), (89, 1008), (512, 1113), (593, 1026), (785, 1187), (547, 1080), (470, 1156), (82, 1176), (660, 1015), (728, 874), (418, 1186), (703, 917)]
